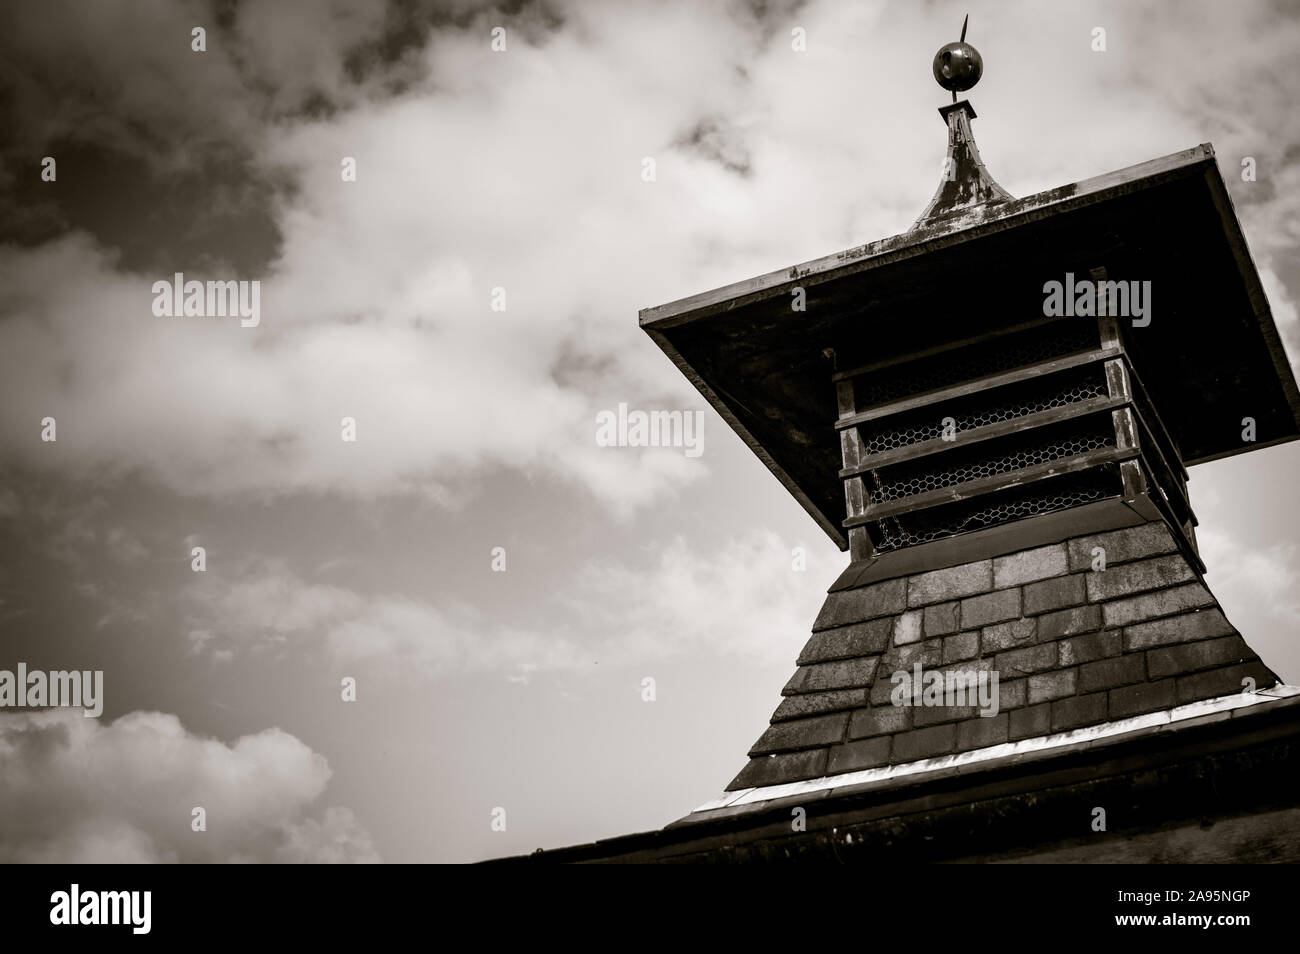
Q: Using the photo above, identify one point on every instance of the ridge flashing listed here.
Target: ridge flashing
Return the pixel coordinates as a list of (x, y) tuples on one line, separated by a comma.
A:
[(1172, 719)]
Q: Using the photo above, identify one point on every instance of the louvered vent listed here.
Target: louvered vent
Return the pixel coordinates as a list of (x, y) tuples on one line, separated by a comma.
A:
[(981, 433)]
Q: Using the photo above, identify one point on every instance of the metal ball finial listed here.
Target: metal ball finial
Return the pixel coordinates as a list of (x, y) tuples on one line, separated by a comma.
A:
[(958, 66)]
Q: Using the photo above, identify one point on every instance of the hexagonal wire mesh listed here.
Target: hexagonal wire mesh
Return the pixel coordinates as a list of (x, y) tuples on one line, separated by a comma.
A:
[(986, 407), (1020, 449), (1056, 493), (998, 456)]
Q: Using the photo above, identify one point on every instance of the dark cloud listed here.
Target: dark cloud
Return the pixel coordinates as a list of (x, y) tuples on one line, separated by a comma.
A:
[(716, 140)]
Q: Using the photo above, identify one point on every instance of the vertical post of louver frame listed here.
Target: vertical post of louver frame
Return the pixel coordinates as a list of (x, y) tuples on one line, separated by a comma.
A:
[(1155, 478), (1126, 437), (855, 492)]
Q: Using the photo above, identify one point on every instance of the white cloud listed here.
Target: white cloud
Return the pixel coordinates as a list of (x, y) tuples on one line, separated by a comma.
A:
[(742, 600), (206, 407), (264, 606), (1259, 581), (521, 170), (76, 790)]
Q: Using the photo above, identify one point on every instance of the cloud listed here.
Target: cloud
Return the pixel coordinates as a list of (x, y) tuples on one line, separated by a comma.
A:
[(377, 307), (140, 88), (743, 600), (75, 790), (1260, 580), (208, 408), (520, 170), (123, 547), (1283, 308), (263, 606)]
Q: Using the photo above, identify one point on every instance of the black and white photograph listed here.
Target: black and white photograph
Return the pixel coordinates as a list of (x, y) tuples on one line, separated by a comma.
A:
[(641, 432)]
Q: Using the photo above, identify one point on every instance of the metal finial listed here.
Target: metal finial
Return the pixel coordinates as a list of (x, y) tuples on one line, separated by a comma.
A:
[(958, 66), (966, 184)]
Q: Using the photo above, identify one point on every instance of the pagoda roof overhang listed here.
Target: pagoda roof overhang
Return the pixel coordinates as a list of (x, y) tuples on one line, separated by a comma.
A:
[(1209, 356)]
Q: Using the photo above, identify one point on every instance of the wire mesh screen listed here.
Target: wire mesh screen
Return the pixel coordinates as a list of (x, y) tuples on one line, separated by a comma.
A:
[(987, 407), (1056, 493), (989, 458), (1033, 447)]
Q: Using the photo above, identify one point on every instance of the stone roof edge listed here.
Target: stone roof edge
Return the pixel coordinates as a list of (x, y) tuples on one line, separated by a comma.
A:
[(1025, 750)]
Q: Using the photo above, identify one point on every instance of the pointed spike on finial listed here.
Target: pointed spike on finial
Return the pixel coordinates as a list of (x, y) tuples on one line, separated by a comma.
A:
[(957, 66)]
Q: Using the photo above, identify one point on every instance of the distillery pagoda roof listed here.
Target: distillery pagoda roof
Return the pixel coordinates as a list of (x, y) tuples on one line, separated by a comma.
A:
[(1209, 356)]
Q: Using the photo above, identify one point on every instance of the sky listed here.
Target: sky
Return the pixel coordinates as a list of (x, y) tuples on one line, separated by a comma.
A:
[(498, 584)]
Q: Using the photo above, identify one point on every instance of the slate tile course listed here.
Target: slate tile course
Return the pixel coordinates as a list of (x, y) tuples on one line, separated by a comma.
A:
[(1071, 647)]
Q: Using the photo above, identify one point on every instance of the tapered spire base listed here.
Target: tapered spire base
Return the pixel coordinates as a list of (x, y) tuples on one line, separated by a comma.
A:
[(966, 184)]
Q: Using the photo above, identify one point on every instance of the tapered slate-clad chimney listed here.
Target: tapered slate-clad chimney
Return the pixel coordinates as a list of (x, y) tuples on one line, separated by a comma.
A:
[(993, 414)]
